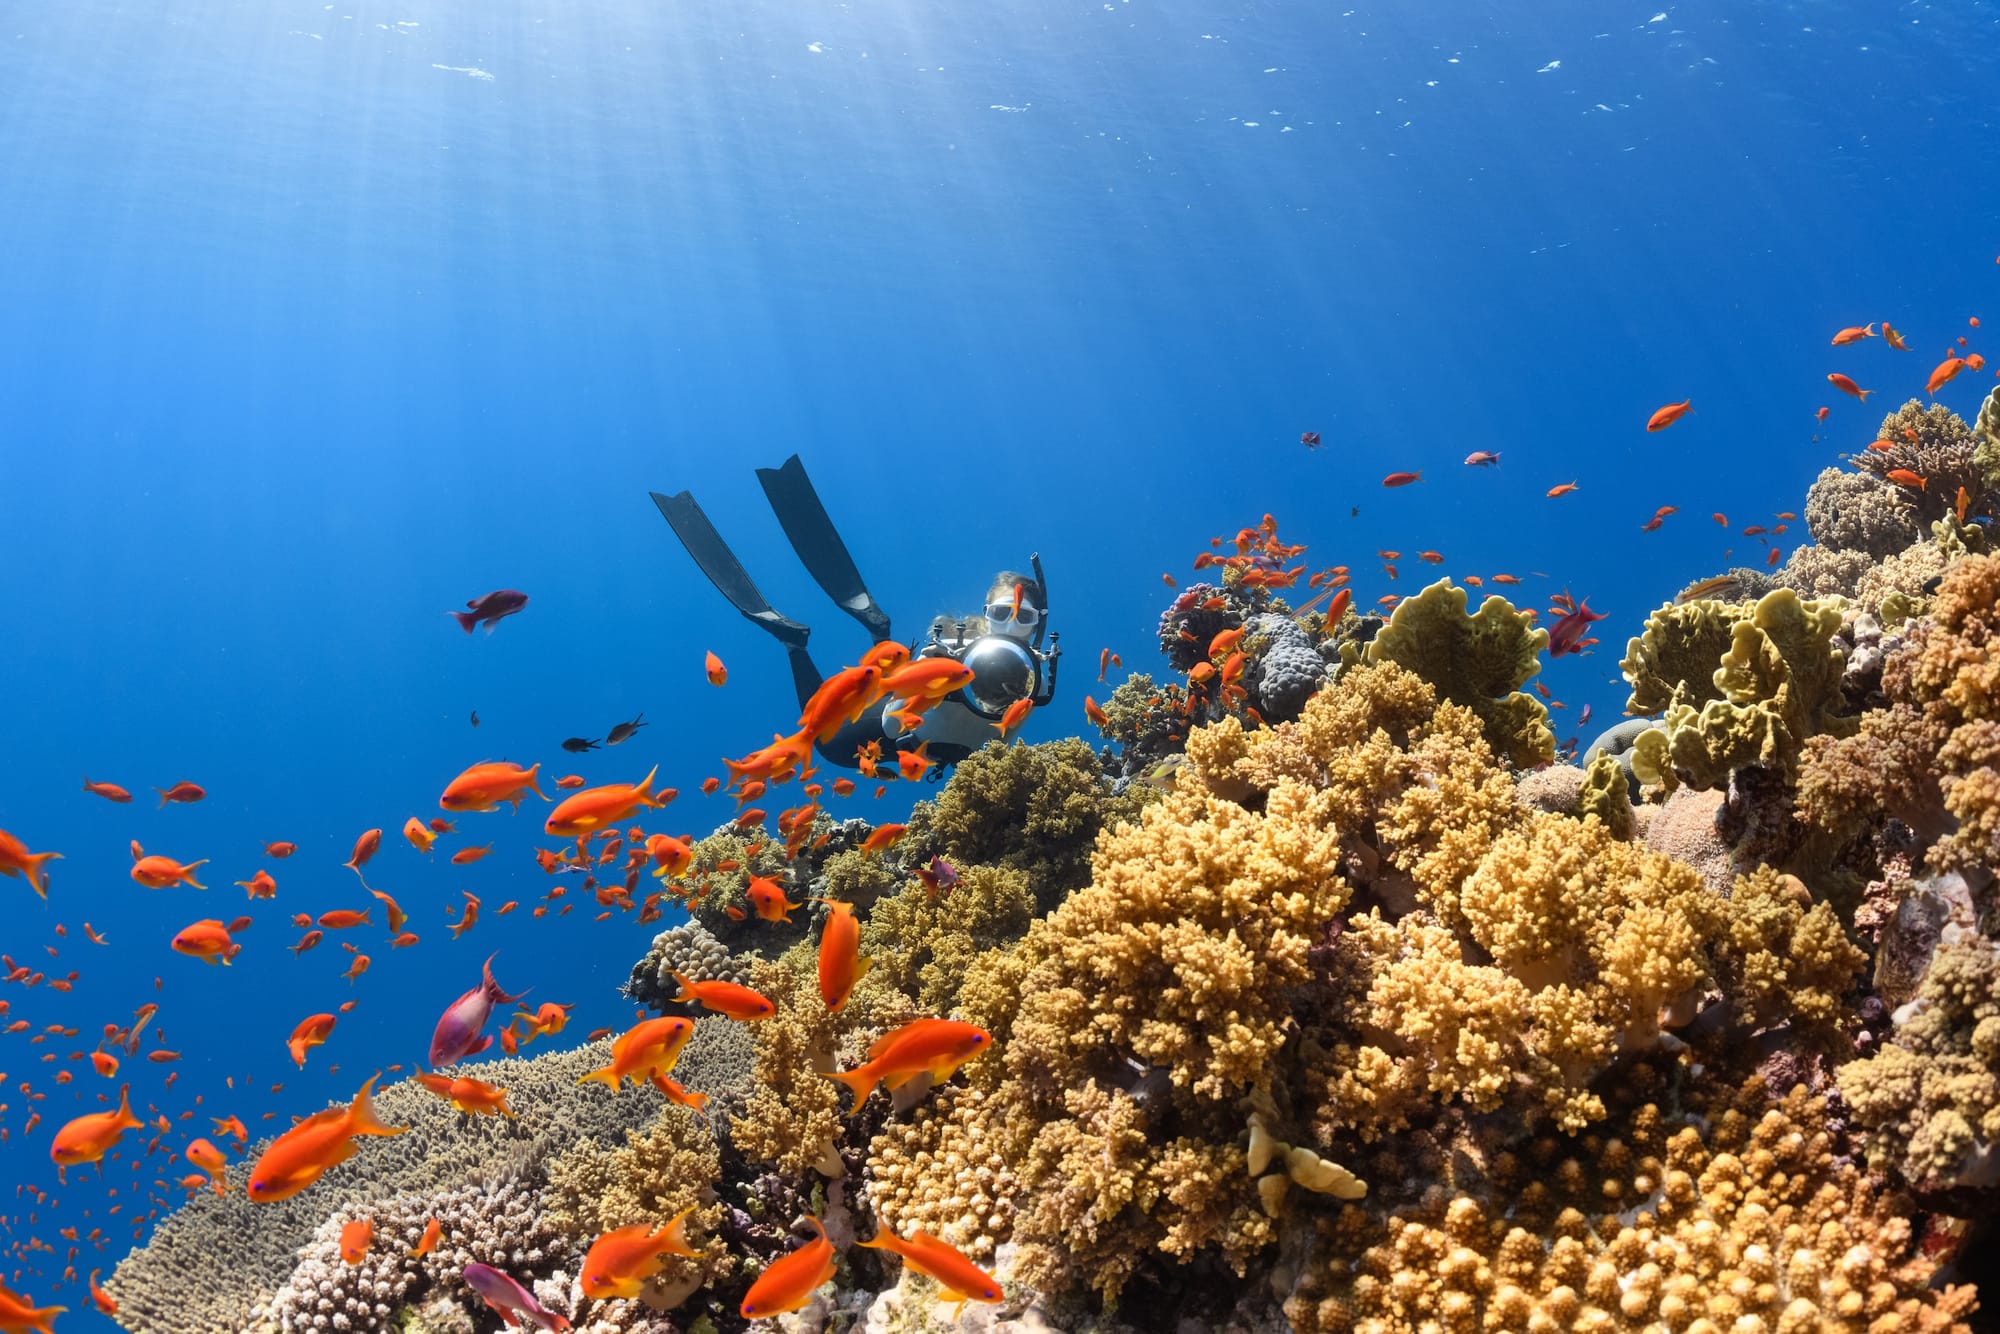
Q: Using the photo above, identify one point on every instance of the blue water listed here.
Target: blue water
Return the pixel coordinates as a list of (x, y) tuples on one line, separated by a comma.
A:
[(317, 320)]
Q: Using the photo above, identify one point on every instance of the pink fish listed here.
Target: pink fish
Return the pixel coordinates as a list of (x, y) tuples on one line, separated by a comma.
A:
[(514, 1303), (458, 1035), (490, 609), (1567, 634), (1481, 458)]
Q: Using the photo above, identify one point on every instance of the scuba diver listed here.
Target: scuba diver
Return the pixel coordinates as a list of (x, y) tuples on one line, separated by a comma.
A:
[(1002, 644)]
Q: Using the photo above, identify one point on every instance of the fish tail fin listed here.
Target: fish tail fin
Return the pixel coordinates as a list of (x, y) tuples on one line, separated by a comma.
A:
[(607, 1076), (1863, 394), (361, 1117), (466, 620), (672, 1237), (534, 769), (687, 987), (37, 876), (163, 797), (883, 1240), (125, 1118), (860, 1081), (43, 1320), (187, 873), (645, 790)]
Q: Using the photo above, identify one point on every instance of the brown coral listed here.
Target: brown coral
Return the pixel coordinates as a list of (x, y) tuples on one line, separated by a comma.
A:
[(1751, 1224), (1934, 443)]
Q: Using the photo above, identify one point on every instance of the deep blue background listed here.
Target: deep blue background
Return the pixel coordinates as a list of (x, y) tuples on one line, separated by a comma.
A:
[(316, 321)]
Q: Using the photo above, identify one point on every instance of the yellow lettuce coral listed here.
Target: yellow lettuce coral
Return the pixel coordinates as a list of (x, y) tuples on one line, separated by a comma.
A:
[(1479, 660), (1777, 685)]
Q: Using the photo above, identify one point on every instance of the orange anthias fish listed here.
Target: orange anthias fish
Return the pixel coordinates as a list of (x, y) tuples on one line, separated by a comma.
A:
[(207, 940), (280, 851), (1946, 371), (469, 1095), (157, 872), (356, 1236), (1016, 714), (87, 1138), (18, 1315), (671, 856), (647, 1049), (841, 699), (1853, 334), (428, 1242), (712, 667), (927, 679), (99, 1297), (298, 1157), (341, 919), (1904, 477), (1669, 414), (1893, 338), (16, 860), (467, 856), (911, 764), (312, 1030), (789, 1281), (108, 791), (936, 1047), (181, 792), (738, 1002), (620, 1262), (210, 1160), (418, 833), (961, 1279), (881, 838), (601, 807), (840, 961), (767, 897), (364, 848), (1402, 478), (1847, 386), (1561, 490), (570, 782), (259, 886), (484, 786)]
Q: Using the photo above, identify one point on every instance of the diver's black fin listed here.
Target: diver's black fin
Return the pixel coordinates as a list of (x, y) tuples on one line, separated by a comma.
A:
[(719, 563), (818, 543)]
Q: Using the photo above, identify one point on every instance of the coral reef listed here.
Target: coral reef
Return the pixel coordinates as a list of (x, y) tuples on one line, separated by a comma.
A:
[(688, 948), (1744, 1220), (1036, 809), (1934, 443), (1927, 758), (221, 1259), (1776, 684), (923, 943), (935, 1170), (1479, 660), (1932, 1095), (1285, 667), (792, 1119), (1858, 511)]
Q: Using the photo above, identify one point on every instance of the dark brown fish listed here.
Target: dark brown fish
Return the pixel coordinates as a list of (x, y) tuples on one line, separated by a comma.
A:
[(490, 609), (576, 745), (624, 731)]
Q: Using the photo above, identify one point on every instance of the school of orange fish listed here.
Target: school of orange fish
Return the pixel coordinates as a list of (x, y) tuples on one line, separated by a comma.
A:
[(620, 1261)]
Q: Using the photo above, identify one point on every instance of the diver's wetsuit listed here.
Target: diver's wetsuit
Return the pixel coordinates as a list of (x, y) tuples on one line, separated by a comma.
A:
[(825, 556)]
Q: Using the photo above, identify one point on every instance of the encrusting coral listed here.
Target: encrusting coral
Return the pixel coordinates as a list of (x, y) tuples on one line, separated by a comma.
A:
[(1480, 660)]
